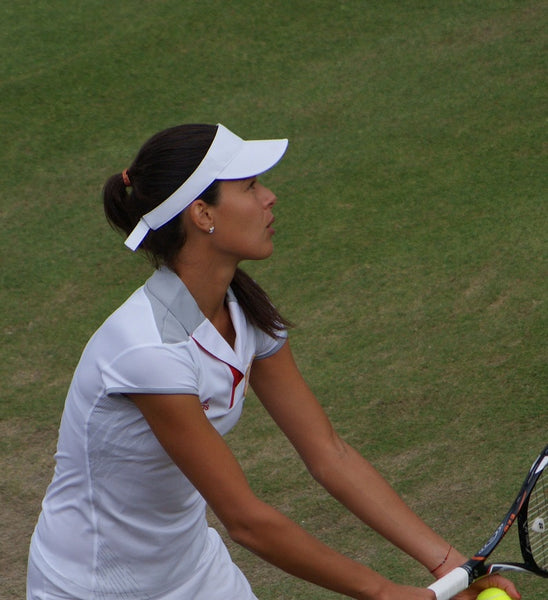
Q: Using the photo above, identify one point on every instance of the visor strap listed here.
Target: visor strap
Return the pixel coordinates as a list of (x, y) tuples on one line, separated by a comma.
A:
[(224, 148)]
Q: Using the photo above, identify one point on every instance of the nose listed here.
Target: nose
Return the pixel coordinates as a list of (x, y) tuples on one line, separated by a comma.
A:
[(268, 196)]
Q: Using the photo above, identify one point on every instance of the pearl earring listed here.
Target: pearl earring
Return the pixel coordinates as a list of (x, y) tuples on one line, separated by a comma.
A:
[(212, 229)]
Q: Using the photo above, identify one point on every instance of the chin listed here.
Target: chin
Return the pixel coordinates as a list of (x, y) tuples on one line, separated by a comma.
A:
[(265, 253)]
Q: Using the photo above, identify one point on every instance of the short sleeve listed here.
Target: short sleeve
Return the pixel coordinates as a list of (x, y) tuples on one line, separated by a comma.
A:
[(152, 369), (267, 345)]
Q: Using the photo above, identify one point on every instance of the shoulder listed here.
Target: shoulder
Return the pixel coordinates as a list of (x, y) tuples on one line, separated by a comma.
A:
[(154, 325), (161, 311), (129, 354)]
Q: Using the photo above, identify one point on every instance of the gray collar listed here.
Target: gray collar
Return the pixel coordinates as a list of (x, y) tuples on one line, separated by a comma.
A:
[(176, 313)]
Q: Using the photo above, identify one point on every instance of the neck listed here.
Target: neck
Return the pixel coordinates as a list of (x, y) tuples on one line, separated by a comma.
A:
[(208, 283)]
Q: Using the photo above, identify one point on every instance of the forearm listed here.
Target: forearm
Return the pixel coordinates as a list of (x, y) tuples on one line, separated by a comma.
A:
[(341, 470), (355, 483), (283, 543)]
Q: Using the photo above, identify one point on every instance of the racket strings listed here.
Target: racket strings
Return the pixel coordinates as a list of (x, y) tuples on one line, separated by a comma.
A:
[(537, 521)]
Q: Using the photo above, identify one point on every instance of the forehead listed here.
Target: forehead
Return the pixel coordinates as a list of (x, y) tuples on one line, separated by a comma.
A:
[(235, 184), (237, 181)]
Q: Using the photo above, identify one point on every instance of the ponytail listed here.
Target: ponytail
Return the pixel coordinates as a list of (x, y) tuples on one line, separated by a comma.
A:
[(123, 212), (117, 205)]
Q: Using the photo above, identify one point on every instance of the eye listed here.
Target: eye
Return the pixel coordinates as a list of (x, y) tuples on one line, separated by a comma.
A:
[(251, 184)]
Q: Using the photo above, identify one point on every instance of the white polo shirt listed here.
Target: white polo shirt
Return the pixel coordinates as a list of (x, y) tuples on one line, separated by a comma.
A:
[(119, 519)]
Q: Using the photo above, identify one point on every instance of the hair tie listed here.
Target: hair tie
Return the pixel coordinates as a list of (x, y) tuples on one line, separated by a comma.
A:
[(126, 179)]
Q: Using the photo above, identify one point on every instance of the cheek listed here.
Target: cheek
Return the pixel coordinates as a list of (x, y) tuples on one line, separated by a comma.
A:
[(247, 220)]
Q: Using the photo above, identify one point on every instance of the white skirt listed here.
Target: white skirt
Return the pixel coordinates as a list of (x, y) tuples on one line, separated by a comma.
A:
[(216, 578)]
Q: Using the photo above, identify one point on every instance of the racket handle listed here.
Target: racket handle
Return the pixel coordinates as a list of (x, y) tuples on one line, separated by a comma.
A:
[(451, 584)]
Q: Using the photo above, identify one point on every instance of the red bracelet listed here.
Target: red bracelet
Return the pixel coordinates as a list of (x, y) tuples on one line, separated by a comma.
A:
[(443, 561)]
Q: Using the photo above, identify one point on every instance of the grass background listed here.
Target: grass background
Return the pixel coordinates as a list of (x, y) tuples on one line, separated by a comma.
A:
[(410, 246)]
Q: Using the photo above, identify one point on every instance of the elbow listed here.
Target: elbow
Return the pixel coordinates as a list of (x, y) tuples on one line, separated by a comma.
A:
[(327, 459), (241, 532), (248, 526), (243, 536)]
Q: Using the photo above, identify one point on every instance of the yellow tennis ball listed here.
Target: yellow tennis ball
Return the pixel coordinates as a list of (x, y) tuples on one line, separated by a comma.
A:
[(493, 594)]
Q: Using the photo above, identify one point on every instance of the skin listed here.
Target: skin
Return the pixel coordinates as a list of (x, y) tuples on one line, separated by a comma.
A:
[(243, 222)]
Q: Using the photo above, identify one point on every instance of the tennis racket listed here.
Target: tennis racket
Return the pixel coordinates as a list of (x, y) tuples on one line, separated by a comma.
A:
[(530, 508)]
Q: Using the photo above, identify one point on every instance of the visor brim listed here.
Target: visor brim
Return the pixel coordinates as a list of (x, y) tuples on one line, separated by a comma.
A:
[(254, 158)]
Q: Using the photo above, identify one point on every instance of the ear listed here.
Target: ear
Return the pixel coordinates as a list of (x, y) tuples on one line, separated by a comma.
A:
[(200, 214)]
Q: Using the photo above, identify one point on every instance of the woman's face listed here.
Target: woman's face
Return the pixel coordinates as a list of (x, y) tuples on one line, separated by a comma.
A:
[(243, 219)]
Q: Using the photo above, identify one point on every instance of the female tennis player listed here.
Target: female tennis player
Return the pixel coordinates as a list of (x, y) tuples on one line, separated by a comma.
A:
[(141, 452)]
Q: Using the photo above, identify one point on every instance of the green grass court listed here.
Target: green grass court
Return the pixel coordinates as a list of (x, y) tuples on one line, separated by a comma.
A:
[(411, 244)]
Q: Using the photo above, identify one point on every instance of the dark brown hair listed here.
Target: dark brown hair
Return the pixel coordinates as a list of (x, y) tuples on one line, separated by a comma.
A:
[(161, 166)]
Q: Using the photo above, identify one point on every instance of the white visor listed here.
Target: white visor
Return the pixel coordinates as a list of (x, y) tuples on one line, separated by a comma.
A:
[(228, 157)]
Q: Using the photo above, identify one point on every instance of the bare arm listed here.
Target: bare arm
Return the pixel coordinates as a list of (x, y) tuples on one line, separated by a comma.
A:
[(345, 474), (182, 428), (335, 465)]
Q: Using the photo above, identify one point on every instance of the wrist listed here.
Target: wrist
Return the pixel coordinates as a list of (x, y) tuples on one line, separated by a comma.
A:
[(441, 564), (450, 561), (376, 590)]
